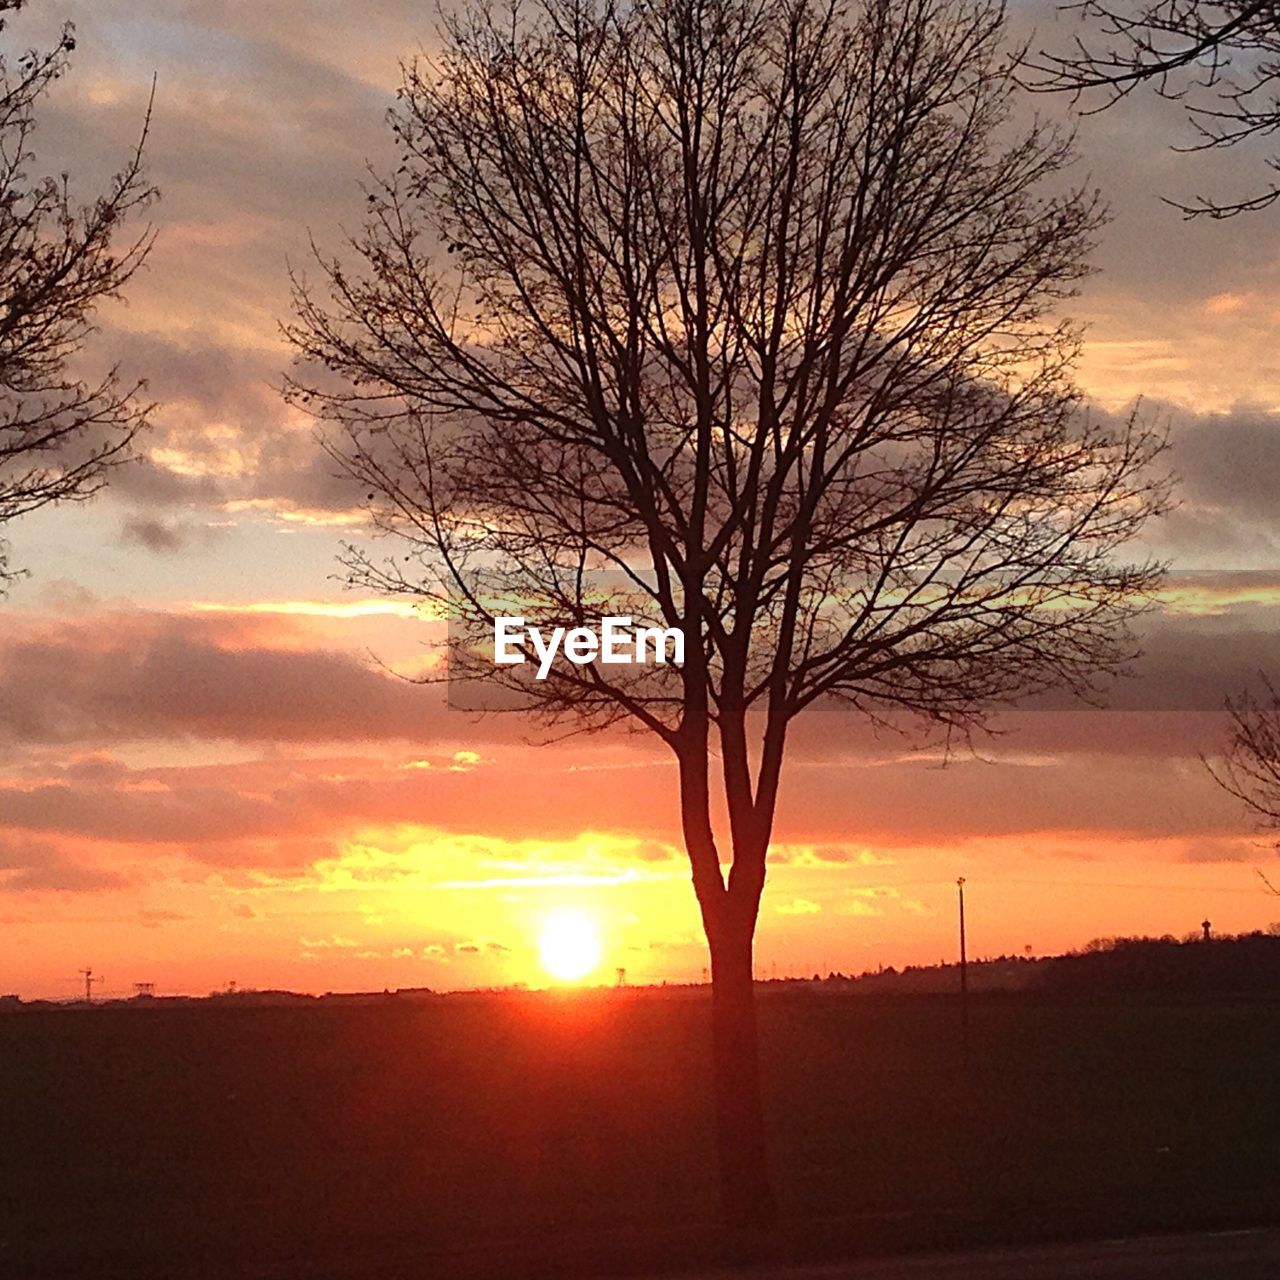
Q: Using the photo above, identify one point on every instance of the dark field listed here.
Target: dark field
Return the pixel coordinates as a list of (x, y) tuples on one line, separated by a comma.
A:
[(570, 1135)]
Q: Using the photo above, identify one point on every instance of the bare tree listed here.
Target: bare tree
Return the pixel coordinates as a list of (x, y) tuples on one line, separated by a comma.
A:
[(1221, 61), (59, 434), (1249, 767), (737, 314)]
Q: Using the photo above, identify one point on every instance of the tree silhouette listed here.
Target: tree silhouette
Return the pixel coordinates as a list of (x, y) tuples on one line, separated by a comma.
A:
[(1249, 767), (1221, 61), (735, 315), (59, 434)]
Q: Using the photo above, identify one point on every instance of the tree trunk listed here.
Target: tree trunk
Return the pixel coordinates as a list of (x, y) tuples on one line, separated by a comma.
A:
[(745, 1187)]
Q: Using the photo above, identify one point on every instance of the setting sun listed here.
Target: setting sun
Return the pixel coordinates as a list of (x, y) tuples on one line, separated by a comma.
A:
[(569, 945)]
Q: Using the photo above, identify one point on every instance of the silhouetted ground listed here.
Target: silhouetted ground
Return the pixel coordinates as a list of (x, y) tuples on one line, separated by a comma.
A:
[(569, 1134), (1236, 1255)]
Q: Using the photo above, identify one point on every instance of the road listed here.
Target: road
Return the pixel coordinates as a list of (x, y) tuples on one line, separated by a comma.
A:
[(1229, 1255)]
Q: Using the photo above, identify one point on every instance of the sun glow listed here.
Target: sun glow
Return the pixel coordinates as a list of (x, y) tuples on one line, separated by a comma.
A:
[(569, 945)]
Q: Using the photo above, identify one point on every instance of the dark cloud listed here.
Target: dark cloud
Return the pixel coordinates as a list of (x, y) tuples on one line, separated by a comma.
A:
[(147, 483), (195, 368), (918, 804), (195, 813), (481, 947), (1186, 665), (1216, 534), (154, 535), (294, 471), (220, 412), (257, 136), (28, 866), (95, 768), (155, 676), (285, 814), (94, 679), (1230, 850), (266, 116), (1228, 466), (1230, 461)]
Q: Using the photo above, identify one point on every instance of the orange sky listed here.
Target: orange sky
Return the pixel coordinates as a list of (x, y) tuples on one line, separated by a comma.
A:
[(206, 776)]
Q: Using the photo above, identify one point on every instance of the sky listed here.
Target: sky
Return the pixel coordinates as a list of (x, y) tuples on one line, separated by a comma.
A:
[(212, 770)]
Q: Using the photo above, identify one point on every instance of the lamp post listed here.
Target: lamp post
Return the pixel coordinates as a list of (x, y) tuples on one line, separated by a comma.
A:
[(964, 981)]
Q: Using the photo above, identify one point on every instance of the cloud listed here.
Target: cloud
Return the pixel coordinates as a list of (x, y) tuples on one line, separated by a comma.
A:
[(355, 754), (798, 907), (1228, 465), (263, 123), (155, 917), (28, 866), (127, 676), (147, 483), (367, 820), (870, 901), (1231, 460), (144, 676), (257, 136), (97, 767), (481, 946), (827, 854), (154, 535), (264, 117), (222, 439)]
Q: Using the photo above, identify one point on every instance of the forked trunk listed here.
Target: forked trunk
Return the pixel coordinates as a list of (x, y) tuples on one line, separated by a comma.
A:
[(745, 1187)]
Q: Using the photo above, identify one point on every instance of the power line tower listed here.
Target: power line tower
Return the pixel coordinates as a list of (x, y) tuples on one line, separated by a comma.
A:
[(89, 979)]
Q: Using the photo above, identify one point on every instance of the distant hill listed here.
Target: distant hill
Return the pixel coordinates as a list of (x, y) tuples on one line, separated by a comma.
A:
[(1245, 963)]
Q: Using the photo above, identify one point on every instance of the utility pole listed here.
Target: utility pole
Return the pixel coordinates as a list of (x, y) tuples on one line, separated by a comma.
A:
[(89, 979), (964, 981)]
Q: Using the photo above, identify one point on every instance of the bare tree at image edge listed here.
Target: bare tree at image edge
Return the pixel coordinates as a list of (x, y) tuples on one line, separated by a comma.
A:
[(745, 304), (59, 434), (1220, 62), (1249, 766)]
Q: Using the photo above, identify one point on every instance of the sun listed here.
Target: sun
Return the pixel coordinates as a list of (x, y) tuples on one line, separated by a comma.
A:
[(569, 945)]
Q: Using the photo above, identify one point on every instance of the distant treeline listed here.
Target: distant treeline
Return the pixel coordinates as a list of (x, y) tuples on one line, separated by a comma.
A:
[(1246, 963)]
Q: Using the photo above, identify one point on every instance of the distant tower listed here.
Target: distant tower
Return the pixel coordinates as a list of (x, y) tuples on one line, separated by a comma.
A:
[(1208, 929), (144, 988), (622, 977), (89, 979)]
